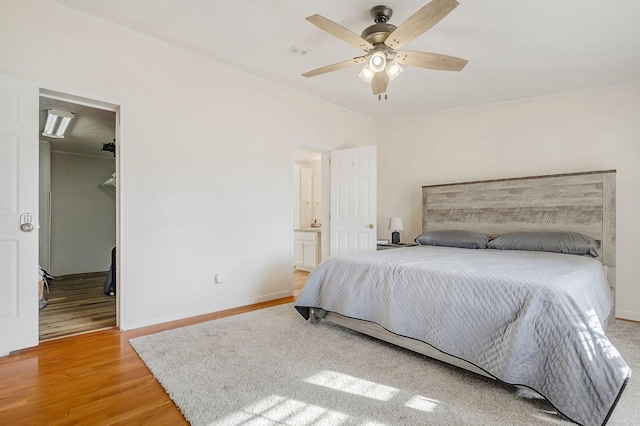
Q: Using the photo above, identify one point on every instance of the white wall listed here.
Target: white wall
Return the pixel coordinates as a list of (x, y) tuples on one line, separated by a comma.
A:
[(44, 187), (206, 154), (205, 158), (83, 217), (593, 130)]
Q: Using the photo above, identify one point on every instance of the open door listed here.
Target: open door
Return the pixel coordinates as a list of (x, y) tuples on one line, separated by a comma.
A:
[(353, 200), (18, 214)]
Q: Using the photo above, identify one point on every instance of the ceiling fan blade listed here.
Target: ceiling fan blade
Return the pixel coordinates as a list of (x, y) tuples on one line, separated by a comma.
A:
[(339, 31), (335, 67), (420, 22), (434, 61), (379, 83)]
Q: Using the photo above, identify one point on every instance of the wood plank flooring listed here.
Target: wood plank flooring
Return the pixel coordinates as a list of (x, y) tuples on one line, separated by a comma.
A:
[(94, 378), (91, 379), (76, 304), (299, 280)]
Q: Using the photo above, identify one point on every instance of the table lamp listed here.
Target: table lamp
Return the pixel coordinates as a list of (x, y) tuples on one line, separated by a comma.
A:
[(395, 224)]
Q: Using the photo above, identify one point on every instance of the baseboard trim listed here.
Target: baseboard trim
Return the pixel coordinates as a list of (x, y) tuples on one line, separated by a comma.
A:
[(628, 315), (222, 306)]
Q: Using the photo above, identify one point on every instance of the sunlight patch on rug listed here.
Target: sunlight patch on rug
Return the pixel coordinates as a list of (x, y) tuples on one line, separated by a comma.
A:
[(423, 404), (353, 385), (283, 411)]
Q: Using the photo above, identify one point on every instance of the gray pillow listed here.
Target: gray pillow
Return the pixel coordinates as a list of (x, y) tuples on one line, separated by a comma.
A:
[(453, 238), (555, 242)]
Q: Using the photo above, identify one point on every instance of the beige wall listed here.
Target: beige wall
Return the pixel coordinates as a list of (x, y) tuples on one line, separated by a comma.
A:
[(205, 158), (592, 130)]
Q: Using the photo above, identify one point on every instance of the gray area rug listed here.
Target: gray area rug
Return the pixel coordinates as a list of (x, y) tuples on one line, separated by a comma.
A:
[(270, 367)]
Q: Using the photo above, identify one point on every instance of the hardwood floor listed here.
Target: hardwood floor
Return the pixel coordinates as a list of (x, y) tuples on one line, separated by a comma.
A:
[(76, 304), (93, 379), (299, 280)]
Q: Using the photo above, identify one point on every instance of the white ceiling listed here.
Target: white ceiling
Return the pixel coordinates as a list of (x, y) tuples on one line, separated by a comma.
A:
[(516, 49)]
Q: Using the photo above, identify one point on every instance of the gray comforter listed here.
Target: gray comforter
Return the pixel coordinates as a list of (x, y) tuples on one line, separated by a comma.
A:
[(527, 318)]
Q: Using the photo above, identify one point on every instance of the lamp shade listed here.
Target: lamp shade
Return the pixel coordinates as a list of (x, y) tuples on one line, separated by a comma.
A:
[(366, 74), (378, 61), (393, 69), (395, 224)]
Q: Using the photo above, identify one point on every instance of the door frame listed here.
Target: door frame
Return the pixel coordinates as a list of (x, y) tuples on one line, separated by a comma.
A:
[(325, 171), (101, 102)]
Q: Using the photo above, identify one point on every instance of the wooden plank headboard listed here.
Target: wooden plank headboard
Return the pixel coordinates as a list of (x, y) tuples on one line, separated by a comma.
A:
[(578, 202)]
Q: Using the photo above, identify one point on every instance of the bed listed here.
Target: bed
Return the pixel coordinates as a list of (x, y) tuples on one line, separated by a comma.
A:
[(513, 280)]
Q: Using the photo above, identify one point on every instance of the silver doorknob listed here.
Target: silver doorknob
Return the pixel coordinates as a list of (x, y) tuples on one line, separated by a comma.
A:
[(371, 225), (26, 222)]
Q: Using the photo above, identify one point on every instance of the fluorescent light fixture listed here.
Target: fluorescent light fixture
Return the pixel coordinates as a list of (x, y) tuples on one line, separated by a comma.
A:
[(57, 123), (378, 61), (393, 69), (366, 74)]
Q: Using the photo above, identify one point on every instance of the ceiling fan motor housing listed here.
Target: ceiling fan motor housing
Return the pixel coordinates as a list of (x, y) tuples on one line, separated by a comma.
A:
[(378, 33), (381, 14)]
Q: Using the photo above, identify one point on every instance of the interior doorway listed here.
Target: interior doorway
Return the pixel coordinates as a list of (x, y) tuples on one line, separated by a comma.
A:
[(310, 210), (78, 216)]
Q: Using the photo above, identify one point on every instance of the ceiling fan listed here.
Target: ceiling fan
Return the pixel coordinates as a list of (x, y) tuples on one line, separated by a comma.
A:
[(381, 40)]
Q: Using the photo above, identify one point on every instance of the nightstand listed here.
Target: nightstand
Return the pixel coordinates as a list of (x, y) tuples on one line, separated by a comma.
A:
[(392, 246)]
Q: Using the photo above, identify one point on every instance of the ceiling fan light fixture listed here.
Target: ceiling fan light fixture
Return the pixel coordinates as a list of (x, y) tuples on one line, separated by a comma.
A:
[(57, 123), (366, 74), (378, 61), (393, 69), (382, 40)]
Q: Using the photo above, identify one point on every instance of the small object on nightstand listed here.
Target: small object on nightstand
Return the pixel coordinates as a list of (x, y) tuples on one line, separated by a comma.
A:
[(393, 246), (395, 224), (395, 237)]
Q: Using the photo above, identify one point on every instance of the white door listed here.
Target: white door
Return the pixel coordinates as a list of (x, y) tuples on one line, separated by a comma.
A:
[(310, 254), (353, 200), (18, 202), (296, 197), (298, 252)]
